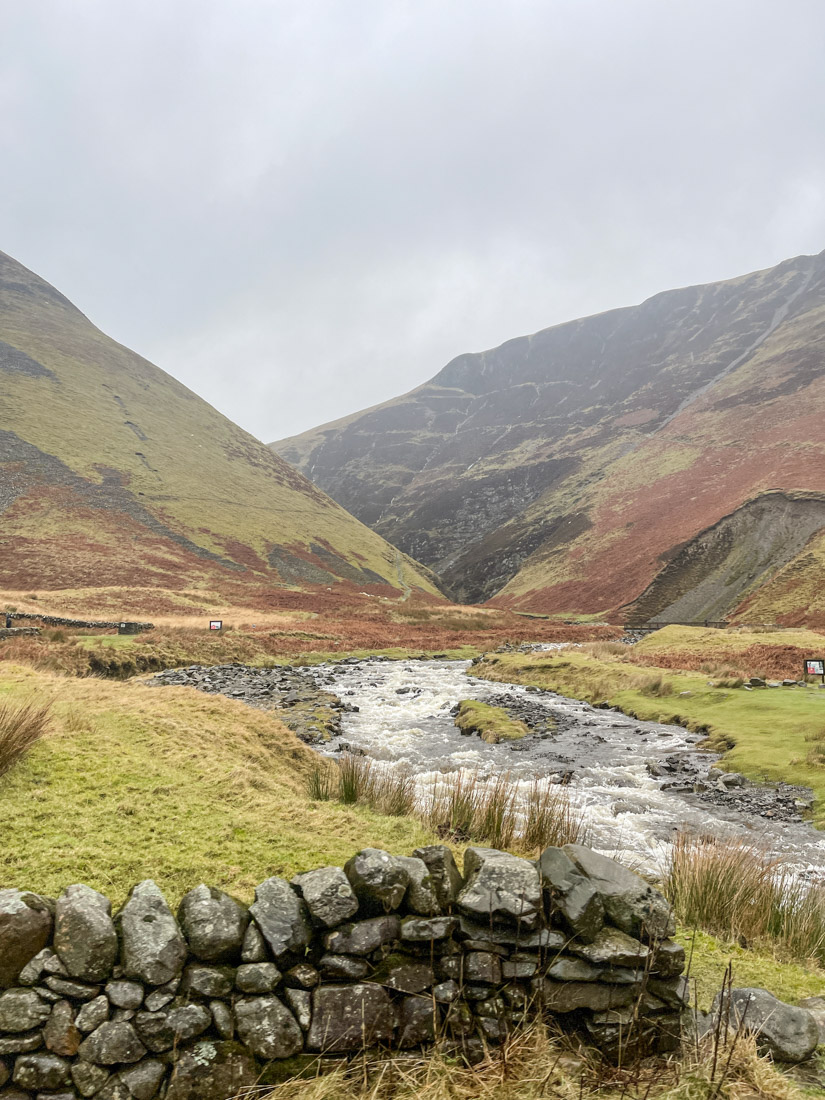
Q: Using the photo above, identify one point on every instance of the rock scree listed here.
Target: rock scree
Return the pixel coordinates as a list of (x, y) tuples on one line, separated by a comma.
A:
[(388, 952)]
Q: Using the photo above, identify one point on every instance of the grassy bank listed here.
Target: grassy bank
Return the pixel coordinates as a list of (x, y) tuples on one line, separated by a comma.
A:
[(492, 724), (766, 734)]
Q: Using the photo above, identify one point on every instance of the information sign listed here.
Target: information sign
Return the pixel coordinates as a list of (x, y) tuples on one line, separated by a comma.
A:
[(216, 624), (815, 666)]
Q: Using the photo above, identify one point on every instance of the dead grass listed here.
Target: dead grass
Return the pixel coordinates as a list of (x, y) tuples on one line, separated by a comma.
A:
[(21, 726)]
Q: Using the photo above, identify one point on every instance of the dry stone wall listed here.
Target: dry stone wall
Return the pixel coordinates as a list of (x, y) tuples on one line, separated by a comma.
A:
[(386, 952)]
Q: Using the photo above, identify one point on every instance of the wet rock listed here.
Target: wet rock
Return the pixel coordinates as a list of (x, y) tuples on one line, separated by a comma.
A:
[(70, 987), (378, 879), (60, 1033), (21, 1043), (84, 933), (25, 928), (404, 975), (112, 1043), (446, 992), (154, 949), (500, 887), (482, 966), (669, 959), (143, 1080), (207, 981), (22, 1010), (214, 924), (41, 1071), (565, 997), (257, 977), (172, 1026), (342, 967), (417, 1022), (573, 970), (223, 1019), (347, 1017), (124, 994), (302, 976), (612, 948), (363, 937), (421, 896), (519, 966), (445, 875), (212, 1071), (281, 916), (328, 895), (300, 1005), (92, 1014), (88, 1078), (572, 895), (267, 1027), (787, 1033), (417, 930), (632, 904), (254, 945), (816, 1007)]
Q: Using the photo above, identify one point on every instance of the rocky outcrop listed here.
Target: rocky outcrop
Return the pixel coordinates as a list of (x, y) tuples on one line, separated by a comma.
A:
[(388, 951)]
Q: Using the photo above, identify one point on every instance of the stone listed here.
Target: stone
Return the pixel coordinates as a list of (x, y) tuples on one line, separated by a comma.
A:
[(84, 934), (143, 1080), (162, 996), (363, 937), (573, 897), (519, 966), (302, 976), (213, 923), (612, 948), (72, 987), (5, 1073), (482, 966), (21, 1043), (267, 1027), (674, 992), (564, 997), (328, 895), (417, 930), (125, 994), (349, 1017), (92, 1014), (207, 981), (40, 1071), (60, 1033), (153, 947), (500, 887), (172, 1026), (445, 875), (668, 959), (420, 897), (446, 992), (343, 967), (257, 977), (113, 1042), (816, 1007), (632, 904), (549, 939), (281, 916), (88, 1078), (572, 970), (378, 879), (404, 974), (300, 1005), (417, 1021), (787, 1033), (35, 968), (22, 1010), (254, 948), (222, 1018), (212, 1071), (114, 1089), (25, 929)]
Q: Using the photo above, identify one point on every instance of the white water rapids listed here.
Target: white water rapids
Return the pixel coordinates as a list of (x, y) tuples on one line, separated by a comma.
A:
[(404, 719)]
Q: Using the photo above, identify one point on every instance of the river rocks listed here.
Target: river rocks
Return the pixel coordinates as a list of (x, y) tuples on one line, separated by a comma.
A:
[(268, 1028), (84, 934), (154, 949), (328, 896), (112, 1043), (25, 928), (444, 873), (631, 903), (572, 896), (500, 887), (281, 916), (349, 1018), (378, 879), (213, 923), (787, 1033)]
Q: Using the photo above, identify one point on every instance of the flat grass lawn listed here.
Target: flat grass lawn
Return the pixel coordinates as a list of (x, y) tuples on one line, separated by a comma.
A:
[(772, 732), (137, 782)]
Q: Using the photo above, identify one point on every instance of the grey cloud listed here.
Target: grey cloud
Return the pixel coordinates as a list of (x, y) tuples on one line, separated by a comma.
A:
[(303, 207)]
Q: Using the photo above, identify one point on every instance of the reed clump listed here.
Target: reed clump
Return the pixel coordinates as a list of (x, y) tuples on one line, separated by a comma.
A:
[(21, 726)]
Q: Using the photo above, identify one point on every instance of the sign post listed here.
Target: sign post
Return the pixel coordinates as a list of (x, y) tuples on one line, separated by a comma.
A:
[(216, 624), (815, 666)]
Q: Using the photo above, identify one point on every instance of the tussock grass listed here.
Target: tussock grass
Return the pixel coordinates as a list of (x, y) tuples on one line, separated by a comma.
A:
[(734, 889), (657, 686), (21, 726), (492, 724)]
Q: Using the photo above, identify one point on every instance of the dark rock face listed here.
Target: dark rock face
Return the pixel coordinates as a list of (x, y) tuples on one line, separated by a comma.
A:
[(378, 879), (212, 1071), (500, 887), (787, 1033), (573, 896), (281, 916), (363, 937), (630, 902), (349, 1017), (112, 1043), (25, 928), (445, 875)]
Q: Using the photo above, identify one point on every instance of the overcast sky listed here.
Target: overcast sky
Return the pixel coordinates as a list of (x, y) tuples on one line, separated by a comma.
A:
[(304, 207)]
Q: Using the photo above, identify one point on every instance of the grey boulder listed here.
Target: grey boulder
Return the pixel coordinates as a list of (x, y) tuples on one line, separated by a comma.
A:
[(632, 904), (349, 1017), (214, 923), (154, 949), (281, 916), (172, 1026), (25, 928), (84, 933), (113, 1043), (500, 887), (446, 877), (421, 895), (268, 1028), (22, 1010), (363, 937), (572, 896), (328, 896), (787, 1033), (143, 1080), (41, 1071), (212, 1071), (378, 879)]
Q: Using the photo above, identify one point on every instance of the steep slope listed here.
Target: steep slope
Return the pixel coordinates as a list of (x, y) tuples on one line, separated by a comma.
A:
[(113, 473), (572, 470)]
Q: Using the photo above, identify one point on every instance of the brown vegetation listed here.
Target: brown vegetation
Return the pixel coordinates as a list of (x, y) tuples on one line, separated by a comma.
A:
[(21, 725)]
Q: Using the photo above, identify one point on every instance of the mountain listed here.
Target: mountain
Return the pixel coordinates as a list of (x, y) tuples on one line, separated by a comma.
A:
[(659, 461), (114, 474)]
